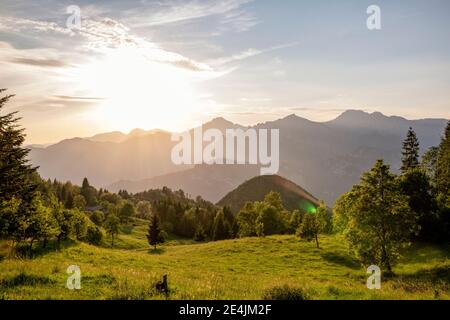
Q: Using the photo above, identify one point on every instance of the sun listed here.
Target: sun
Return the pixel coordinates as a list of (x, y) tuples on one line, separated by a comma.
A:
[(137, 92)]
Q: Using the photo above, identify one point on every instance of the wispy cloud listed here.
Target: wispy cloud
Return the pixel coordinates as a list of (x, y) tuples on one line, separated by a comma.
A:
[(39, 62), (100, 33), (251, 52), (170, 12)]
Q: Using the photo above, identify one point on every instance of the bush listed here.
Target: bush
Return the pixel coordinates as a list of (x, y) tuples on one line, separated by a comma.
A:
[(286, 293), (97, 217), (94, 235)]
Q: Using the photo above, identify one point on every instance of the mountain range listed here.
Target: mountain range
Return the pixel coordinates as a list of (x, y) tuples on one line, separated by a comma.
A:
[(326, 158)]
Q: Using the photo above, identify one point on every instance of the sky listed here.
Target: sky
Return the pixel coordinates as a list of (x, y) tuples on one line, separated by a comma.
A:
[(173, 64)]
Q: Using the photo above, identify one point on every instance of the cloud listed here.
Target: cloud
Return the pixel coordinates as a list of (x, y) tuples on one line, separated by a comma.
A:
[(63, 97), (15, 24), (182, 11), (39, 62), (249, 53), (99, 34)]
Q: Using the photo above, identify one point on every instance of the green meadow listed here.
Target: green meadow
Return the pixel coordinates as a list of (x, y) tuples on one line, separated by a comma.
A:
[(232, 269)]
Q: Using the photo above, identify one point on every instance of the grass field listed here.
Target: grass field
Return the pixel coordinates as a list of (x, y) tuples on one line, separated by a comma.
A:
[(232, 269)]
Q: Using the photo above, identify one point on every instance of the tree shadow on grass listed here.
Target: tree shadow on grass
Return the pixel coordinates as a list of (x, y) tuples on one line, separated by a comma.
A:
[(38, 250), (342, 260), (423, 280), (156, 251), (438, 274)]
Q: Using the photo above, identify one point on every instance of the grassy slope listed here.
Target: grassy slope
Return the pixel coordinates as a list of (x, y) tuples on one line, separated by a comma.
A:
[(233, 269)]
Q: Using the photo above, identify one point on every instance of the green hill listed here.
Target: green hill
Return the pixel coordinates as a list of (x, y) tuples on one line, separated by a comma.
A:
[(231, 269), (293, 196)]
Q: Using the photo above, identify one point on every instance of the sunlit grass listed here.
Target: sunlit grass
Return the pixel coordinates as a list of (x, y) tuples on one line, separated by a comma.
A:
[(232, 269)]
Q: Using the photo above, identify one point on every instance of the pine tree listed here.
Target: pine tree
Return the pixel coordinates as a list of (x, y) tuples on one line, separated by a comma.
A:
[(410, 152), (18, 182), (443, 169), (15, 171), (220, 229), (154, 235)]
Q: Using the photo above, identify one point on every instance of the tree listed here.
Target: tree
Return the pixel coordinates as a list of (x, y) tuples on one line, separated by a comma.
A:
[(295, 221), (443, 184), (18, 183), (144, 209), (97, 217), (410, 152), (270, 220), (378, 218), (126, 212), (94, 235), (80, 224), (155, 234), (65, 221), (323, 218), (89, 193), (310, 228), (246, 220), (112, 224), (429, 164), (220, 229), (416, 185), (42, 224), (15, 171), (443, 169), (200, 234), (79, 202)]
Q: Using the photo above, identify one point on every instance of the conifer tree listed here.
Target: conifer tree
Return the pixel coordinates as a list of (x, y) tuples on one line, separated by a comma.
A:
[(410, 152), (154, 235), (18, 182)]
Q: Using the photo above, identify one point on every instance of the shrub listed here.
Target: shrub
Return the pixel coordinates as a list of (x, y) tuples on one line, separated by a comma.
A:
[(286, 292), (94, 235)]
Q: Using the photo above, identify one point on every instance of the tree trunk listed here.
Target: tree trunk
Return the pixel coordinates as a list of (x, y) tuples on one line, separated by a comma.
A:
[(317, 242)]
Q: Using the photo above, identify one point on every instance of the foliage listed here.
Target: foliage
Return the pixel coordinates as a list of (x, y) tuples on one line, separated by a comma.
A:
[(155, 234), (111, 225), (220, 227), (94, 235), (378, 219), (410, 151), (310, 228)]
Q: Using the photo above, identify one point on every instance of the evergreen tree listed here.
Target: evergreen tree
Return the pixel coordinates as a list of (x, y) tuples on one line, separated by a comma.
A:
[(18, 183), (155, 234), (220, 229), (410, 152), (443, 169), (429, 164), (415, 184), (15, 170)]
